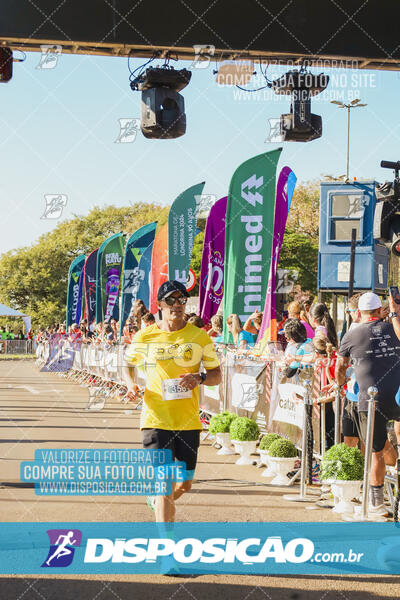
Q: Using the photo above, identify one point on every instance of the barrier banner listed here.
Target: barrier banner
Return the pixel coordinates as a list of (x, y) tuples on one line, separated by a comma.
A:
[(211, 286), (248, 235), (89, 274), (159, 265), (182, 231), (290, 408), (132, 275), (74, 274), (108, 277), (276, 548), (143, 292), (284, 193)]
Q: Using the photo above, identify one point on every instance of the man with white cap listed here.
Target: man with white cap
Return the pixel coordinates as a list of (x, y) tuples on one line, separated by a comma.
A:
[(374, 350)]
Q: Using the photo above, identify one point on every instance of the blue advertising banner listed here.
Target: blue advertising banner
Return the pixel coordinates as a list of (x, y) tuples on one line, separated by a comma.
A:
[(198, 548), (74, 274), (89, 271), (108, 277), (143, 292), (132, 275)]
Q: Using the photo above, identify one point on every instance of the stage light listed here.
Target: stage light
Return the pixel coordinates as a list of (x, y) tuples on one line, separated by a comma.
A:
[(300, 125), (163, 108)]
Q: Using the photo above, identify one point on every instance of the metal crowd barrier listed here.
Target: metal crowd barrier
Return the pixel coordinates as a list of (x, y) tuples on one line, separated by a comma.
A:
[(251, 386), (17, 346)]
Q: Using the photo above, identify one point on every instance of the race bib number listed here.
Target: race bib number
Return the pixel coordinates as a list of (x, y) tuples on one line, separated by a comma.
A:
[(172, 390)]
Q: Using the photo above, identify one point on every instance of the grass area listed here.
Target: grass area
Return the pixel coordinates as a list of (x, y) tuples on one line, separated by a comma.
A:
[(17, 356)]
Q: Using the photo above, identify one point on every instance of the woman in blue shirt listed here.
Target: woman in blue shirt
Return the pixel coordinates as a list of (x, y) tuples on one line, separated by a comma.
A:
[(243, 339)]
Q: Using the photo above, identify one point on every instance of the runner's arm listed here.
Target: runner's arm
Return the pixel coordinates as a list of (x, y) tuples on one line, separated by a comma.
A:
[(396, 320), (342, 363), (192, 380)]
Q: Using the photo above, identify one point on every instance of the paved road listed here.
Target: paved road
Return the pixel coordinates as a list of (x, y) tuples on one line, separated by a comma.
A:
[(42, 410)]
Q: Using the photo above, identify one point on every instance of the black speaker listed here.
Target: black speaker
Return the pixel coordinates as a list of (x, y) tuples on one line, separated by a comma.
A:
[(163, 113), (6, 64)]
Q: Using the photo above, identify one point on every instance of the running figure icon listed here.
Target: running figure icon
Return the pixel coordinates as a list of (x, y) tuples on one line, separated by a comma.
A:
[(63, 543), (62, 549)]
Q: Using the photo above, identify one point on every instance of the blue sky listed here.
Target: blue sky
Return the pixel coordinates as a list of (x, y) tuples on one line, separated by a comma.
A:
[(59, 126)]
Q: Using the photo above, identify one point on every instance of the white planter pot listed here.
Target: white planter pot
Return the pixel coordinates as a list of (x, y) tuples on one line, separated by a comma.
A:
[(234, 443), (245, 449), (225, 442), (264, 456), (344, 492), (280, 467)]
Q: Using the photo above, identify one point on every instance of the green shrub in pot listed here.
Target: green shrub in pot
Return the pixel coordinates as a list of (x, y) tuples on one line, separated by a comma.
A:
[(282, 448), (243, 429), (222, 422), (342, 463), (268, 439)]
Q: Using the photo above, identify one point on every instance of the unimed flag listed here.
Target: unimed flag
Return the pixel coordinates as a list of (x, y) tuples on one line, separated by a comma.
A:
[(211, 286), (248, 235), (73, 301), (182, 231), (284, 192), (132, 275), (108, 278)]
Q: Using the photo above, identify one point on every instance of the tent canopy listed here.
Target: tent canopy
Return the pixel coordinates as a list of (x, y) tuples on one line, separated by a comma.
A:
[(6, 311)]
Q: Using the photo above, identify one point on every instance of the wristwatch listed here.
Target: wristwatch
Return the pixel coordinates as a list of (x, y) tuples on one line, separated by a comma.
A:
[(203, 377), (392, 315)]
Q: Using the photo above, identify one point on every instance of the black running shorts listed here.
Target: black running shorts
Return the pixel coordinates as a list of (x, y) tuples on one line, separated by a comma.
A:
[(184, 444), (380, 427)]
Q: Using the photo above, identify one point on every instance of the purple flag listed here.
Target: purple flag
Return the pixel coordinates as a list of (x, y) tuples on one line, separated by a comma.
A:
[(269, 325), (211, 286)]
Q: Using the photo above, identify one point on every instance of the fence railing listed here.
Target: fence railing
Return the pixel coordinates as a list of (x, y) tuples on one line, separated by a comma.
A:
[(250, 386), (17, 346)]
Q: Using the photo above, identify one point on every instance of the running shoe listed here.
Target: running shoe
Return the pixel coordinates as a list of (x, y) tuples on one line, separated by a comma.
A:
[(380, 510), (151, 502)]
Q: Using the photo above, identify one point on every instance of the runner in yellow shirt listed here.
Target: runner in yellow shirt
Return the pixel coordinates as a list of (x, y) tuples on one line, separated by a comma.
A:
[(171, 354)]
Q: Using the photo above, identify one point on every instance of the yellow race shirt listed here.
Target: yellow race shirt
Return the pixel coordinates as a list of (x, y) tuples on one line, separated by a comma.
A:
[(165, 355)]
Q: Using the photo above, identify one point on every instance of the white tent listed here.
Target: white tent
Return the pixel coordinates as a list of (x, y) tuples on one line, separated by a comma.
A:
[(6, 311)]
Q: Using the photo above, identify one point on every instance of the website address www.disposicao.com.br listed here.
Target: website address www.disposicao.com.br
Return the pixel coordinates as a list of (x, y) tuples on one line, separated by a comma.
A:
[(207, 547), (213, 550)]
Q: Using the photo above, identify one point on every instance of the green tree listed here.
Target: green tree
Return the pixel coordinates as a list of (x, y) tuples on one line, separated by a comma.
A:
[(304, 211), (300, 253), (300, 243), (197, 253), (34, 279)]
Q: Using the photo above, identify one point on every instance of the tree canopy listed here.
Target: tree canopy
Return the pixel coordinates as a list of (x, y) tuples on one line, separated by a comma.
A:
[(34, 279), (300, 243)]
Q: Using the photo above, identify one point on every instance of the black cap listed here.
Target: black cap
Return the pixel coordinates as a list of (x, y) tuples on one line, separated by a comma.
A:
[(169, 287)]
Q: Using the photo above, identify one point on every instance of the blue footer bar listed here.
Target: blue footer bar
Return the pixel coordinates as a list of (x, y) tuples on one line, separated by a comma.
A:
[(198, 548)]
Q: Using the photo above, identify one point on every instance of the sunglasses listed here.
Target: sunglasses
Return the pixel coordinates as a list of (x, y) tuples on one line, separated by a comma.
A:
[(172, 299)]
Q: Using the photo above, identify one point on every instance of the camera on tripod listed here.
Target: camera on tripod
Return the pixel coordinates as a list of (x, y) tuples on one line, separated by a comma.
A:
[(387, 210)]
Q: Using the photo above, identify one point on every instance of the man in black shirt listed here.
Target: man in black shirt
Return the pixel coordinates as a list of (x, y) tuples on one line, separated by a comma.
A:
[(374, 350)]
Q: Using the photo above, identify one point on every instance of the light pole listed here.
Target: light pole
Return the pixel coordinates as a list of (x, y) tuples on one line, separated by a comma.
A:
[(353, 104)]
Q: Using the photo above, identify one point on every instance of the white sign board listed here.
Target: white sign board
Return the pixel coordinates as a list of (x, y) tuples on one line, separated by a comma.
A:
[(290, 408), (343, 271)]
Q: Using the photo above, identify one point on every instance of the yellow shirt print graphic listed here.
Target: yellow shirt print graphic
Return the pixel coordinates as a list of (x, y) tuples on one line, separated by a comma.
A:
[(167, 355)]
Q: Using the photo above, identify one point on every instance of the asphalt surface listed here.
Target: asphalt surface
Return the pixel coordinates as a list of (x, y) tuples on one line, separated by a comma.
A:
[(43, 410)]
